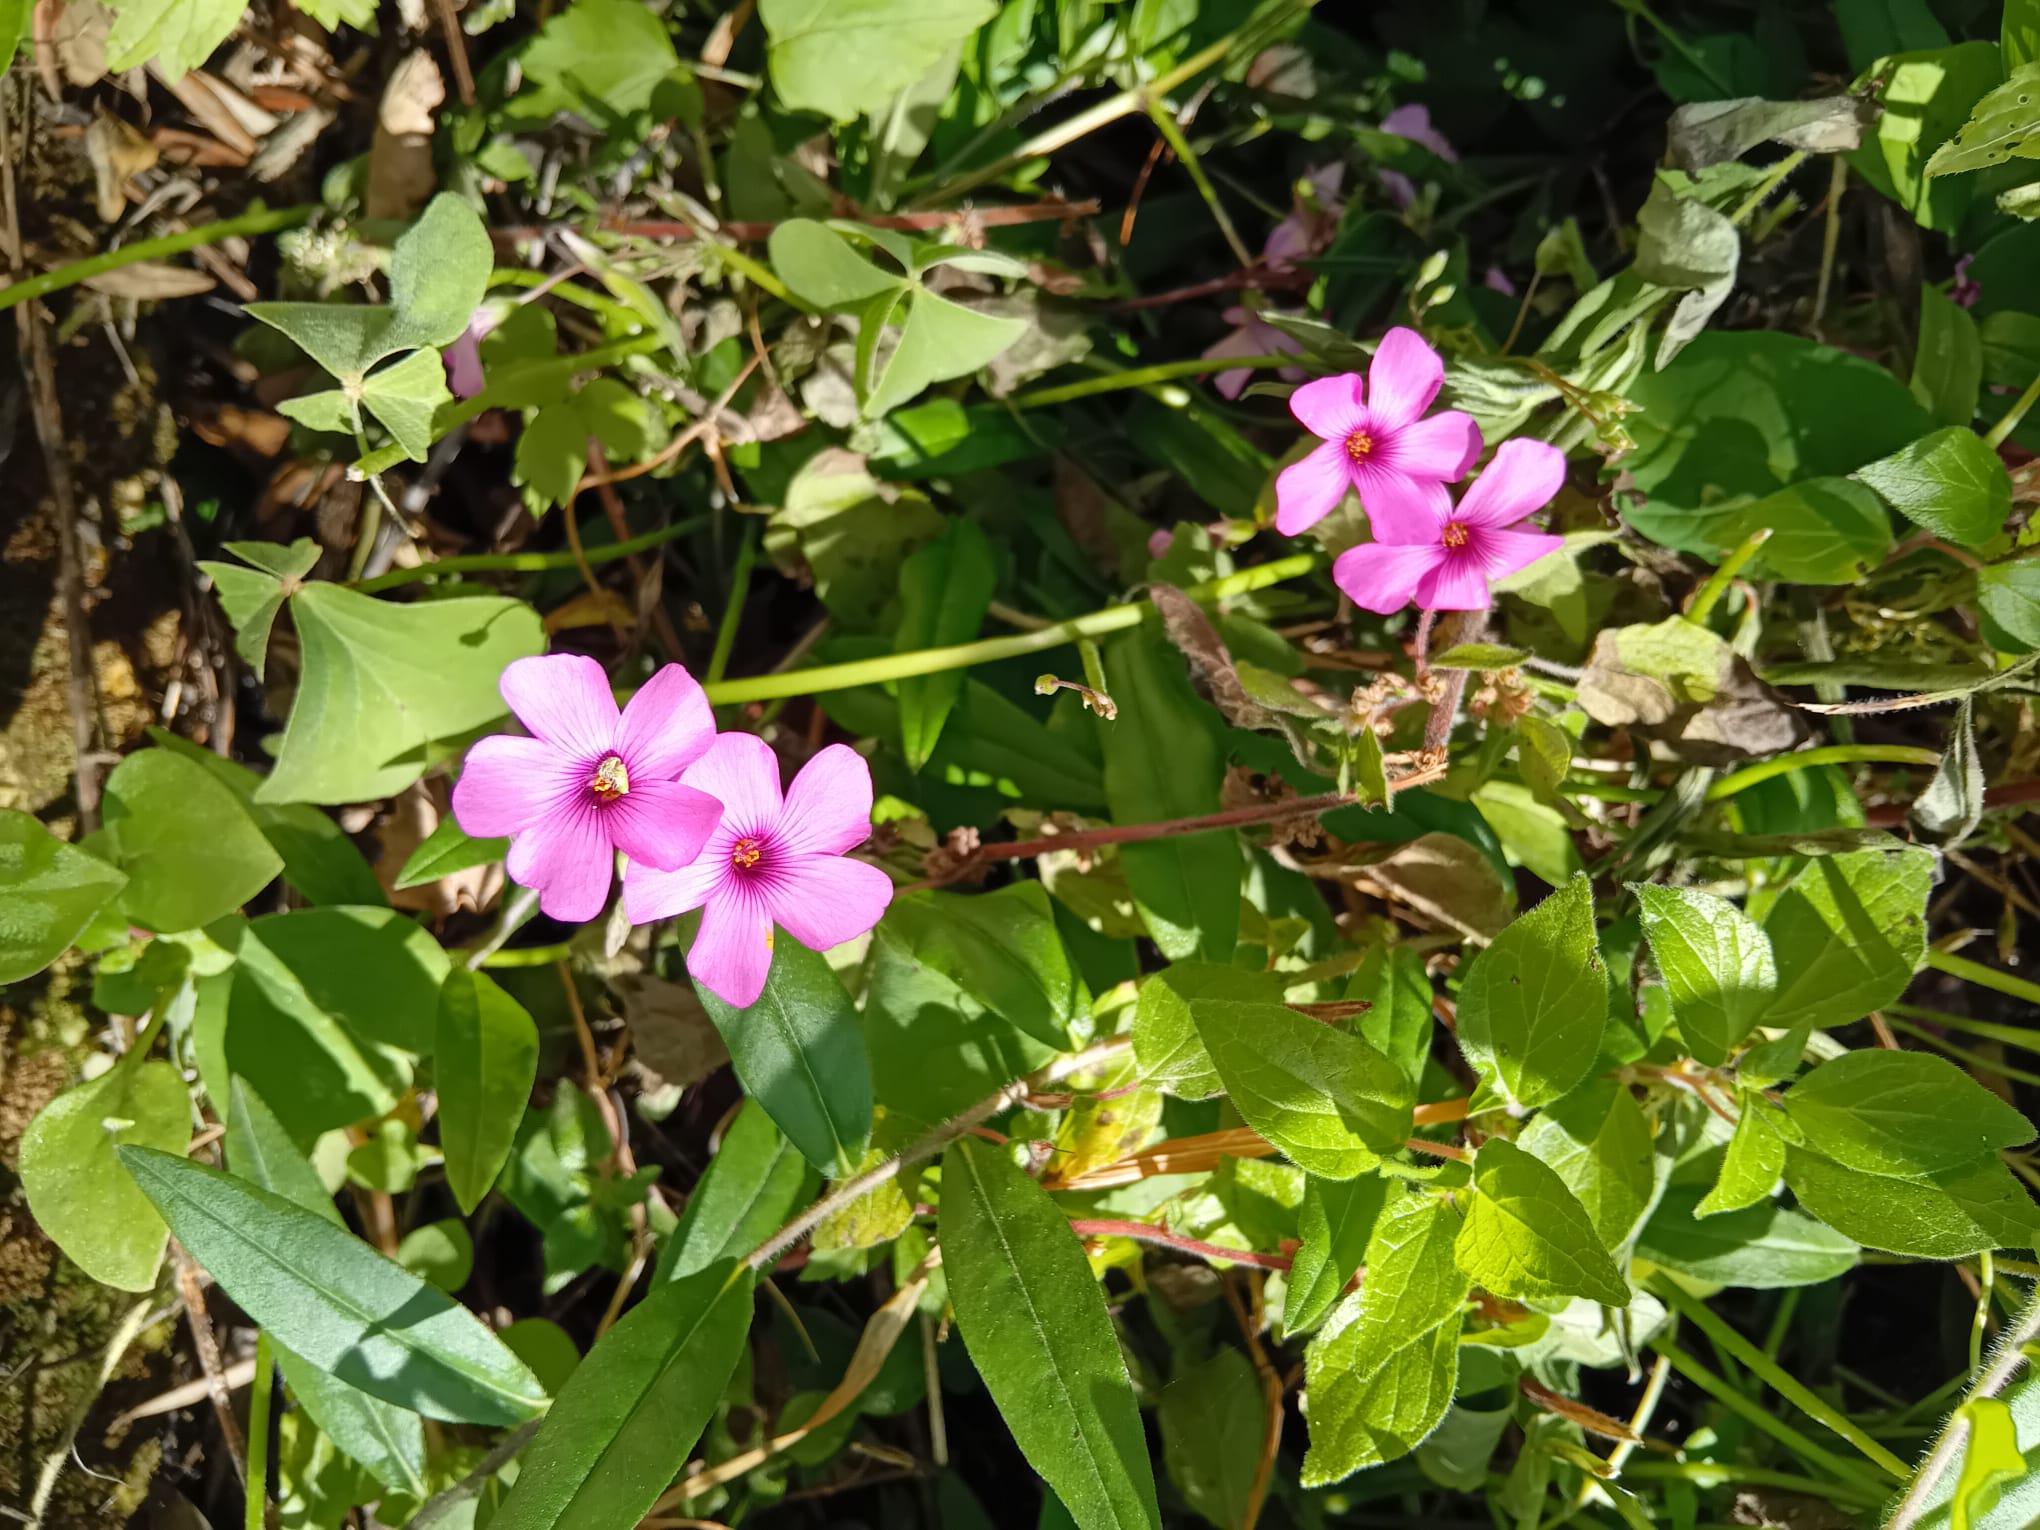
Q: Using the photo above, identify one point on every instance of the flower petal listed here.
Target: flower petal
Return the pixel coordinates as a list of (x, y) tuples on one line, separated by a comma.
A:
[(828, 807), (661, 823), (649, 893), (567, 856), (666, 726), (1309, 490), (1403, 511), (1382, 578), (1502, 552), (1442, 447), (563, 698), (1405, 376), (742, 773), (1329, 406), (1414, 123), (508, 783), (1521, 480), (733, 952), (1456, 584), (824, 900)]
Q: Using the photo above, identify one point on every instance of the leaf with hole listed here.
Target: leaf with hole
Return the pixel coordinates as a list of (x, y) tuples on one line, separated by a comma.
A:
[(2000, 126)]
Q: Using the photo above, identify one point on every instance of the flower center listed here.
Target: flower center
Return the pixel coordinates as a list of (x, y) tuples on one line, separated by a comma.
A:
[(1359, 446), (746, 853), (1456, 534), (610, 780)]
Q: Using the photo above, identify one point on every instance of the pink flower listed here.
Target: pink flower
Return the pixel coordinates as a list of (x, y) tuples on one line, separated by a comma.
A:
[(770, 862), (1443, 557), (463, 358), (1414, 123), (1965, 290), (1252, 336), (589, 782), (1377, 443), (1309, 228)]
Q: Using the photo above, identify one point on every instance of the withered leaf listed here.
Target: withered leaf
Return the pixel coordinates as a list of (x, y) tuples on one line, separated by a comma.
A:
[(1678, 683)]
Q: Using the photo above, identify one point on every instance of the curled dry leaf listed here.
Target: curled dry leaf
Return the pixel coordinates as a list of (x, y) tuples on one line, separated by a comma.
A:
[(117, 151), (400, 173), (412, 817), (670, 1032), (1681, 685), (151, 281)]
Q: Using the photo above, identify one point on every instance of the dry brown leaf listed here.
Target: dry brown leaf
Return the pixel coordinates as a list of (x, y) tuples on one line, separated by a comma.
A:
[(151, 281), (670, 1031), (400, 173), (1446, 880), (591, 608), (71, 38), (412, 818), (117, 151), (252, 430)]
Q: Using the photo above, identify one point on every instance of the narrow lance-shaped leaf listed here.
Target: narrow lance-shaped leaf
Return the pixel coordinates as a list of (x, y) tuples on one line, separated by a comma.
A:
[(945, 588), (756, 1181), (485, 1059)]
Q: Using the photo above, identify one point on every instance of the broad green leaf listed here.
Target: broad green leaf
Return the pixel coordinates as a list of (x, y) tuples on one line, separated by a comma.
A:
[(1685, 245), (799, 1052), (1162, 761), (822, 269), (332, 410), (1929, 94), (2008, 601), (389, 1441), (447, 849), (1825, 530), (1947, 375), (1413, 1282), (78, 1191), (1212, 1419), (1527, 1235), (331, 1299), (1362, 1419), (1948, 482), (1847, 936), (383, 681), (372, 969), (49, 892), (179, 35), (1944, 1215), (1901, 1113), (1166, 1045), (1002, 948), (1534, 1003), (1599, 1142), (626, 1421), (404, 396), (261, 1151), (190, 848), (1034, 1322), (1337, 1219), (1751, 1167), (2019, 34), (1326, 1098), (602, 58), (945, 588), (939, 340), (1399, 1025), (1717, 967), (1990, 1449), (552, 451), (844, 58), (2000, 126), (251, 597), (755, 1182), (15, 16), (544, 1346), (439, 272), (484, 1062), (1534, 834), (345, 340), (1763, 1246)]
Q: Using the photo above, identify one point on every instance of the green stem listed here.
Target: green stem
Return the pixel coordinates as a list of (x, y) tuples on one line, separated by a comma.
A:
[(1831, 754), (931, 661), (1995, 436), (1718, 582), (1717, 1474), (1845, 1470), (2004, 1366), (1677, 44), (1141, 377), (258, 1434), (257, 220), (1962, 1054), (529, 956), (1767, 185), (1776, 1377), (1982, 976), (2024, 1037), (1172, 134), (516, 381), (525, 563), (740, 589)]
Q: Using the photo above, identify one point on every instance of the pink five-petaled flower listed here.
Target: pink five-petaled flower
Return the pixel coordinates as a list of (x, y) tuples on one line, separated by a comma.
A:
[(1377, 441), (1444, 558), (772, 861), (589, 782)]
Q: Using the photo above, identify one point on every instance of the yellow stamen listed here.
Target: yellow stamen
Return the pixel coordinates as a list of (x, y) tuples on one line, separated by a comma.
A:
[(746, 853), (1359, 446), (610, 780), (1456, 535)]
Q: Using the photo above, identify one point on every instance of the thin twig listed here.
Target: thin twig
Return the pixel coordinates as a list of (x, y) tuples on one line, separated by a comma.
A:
[(207, 1346), (442, 1503), (1161, 1237)]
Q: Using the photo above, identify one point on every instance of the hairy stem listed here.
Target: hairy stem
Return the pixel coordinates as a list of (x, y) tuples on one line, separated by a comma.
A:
[(2004, 1366), (1147, 1232)]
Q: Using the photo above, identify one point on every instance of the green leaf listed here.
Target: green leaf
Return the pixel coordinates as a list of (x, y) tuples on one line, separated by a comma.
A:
[(484, 1062), (78, 1192), (1162, 761), (1717, 967), (821, 268), (1327, 1099), (602, 58), (1377, 1416), (331, 1299), (15, 18), (1534, 1003), (1598, 1141), (49, 893), (1711, 132), (441, 1252), (1337, 1220), (2000, 126), (1764, 1247), (448, 849), (2019, 34), (179, 35), (616, 416), (1947, 375), (252, 597), (1002, 948), (382, 681), (1944, 1215), (389, 1441), (190, 848), (1948, 482), (1823, 531), (345, 340), (2008, 601), (1901, 1113), (1166, 1044), (945, 589), (552, 451), (754, 1183), (260, 1151), (372, 969), (331, 410), (1952, 805), (626, 1421), (1035, 1325), (1751, 1167), (844, 58), (1527, 1235), (1847, 936), (1929, 94), (1990, 1449), (405, 395), (1212, 1420), (439, 273), (1534, 834), (799, 1052), (1685, 245), (939, 340), (1393, 981)]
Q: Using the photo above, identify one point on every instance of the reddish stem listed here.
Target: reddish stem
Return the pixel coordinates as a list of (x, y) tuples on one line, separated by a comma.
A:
[(1146, 1232), (1436, 1149)]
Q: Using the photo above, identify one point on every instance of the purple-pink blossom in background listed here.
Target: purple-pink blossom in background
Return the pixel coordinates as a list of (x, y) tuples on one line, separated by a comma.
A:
[(1252, 335), (772, 862), (589, 781), (1442, 557), (463, 358), (1307, 229), (1376, 440), (1414, 123)]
